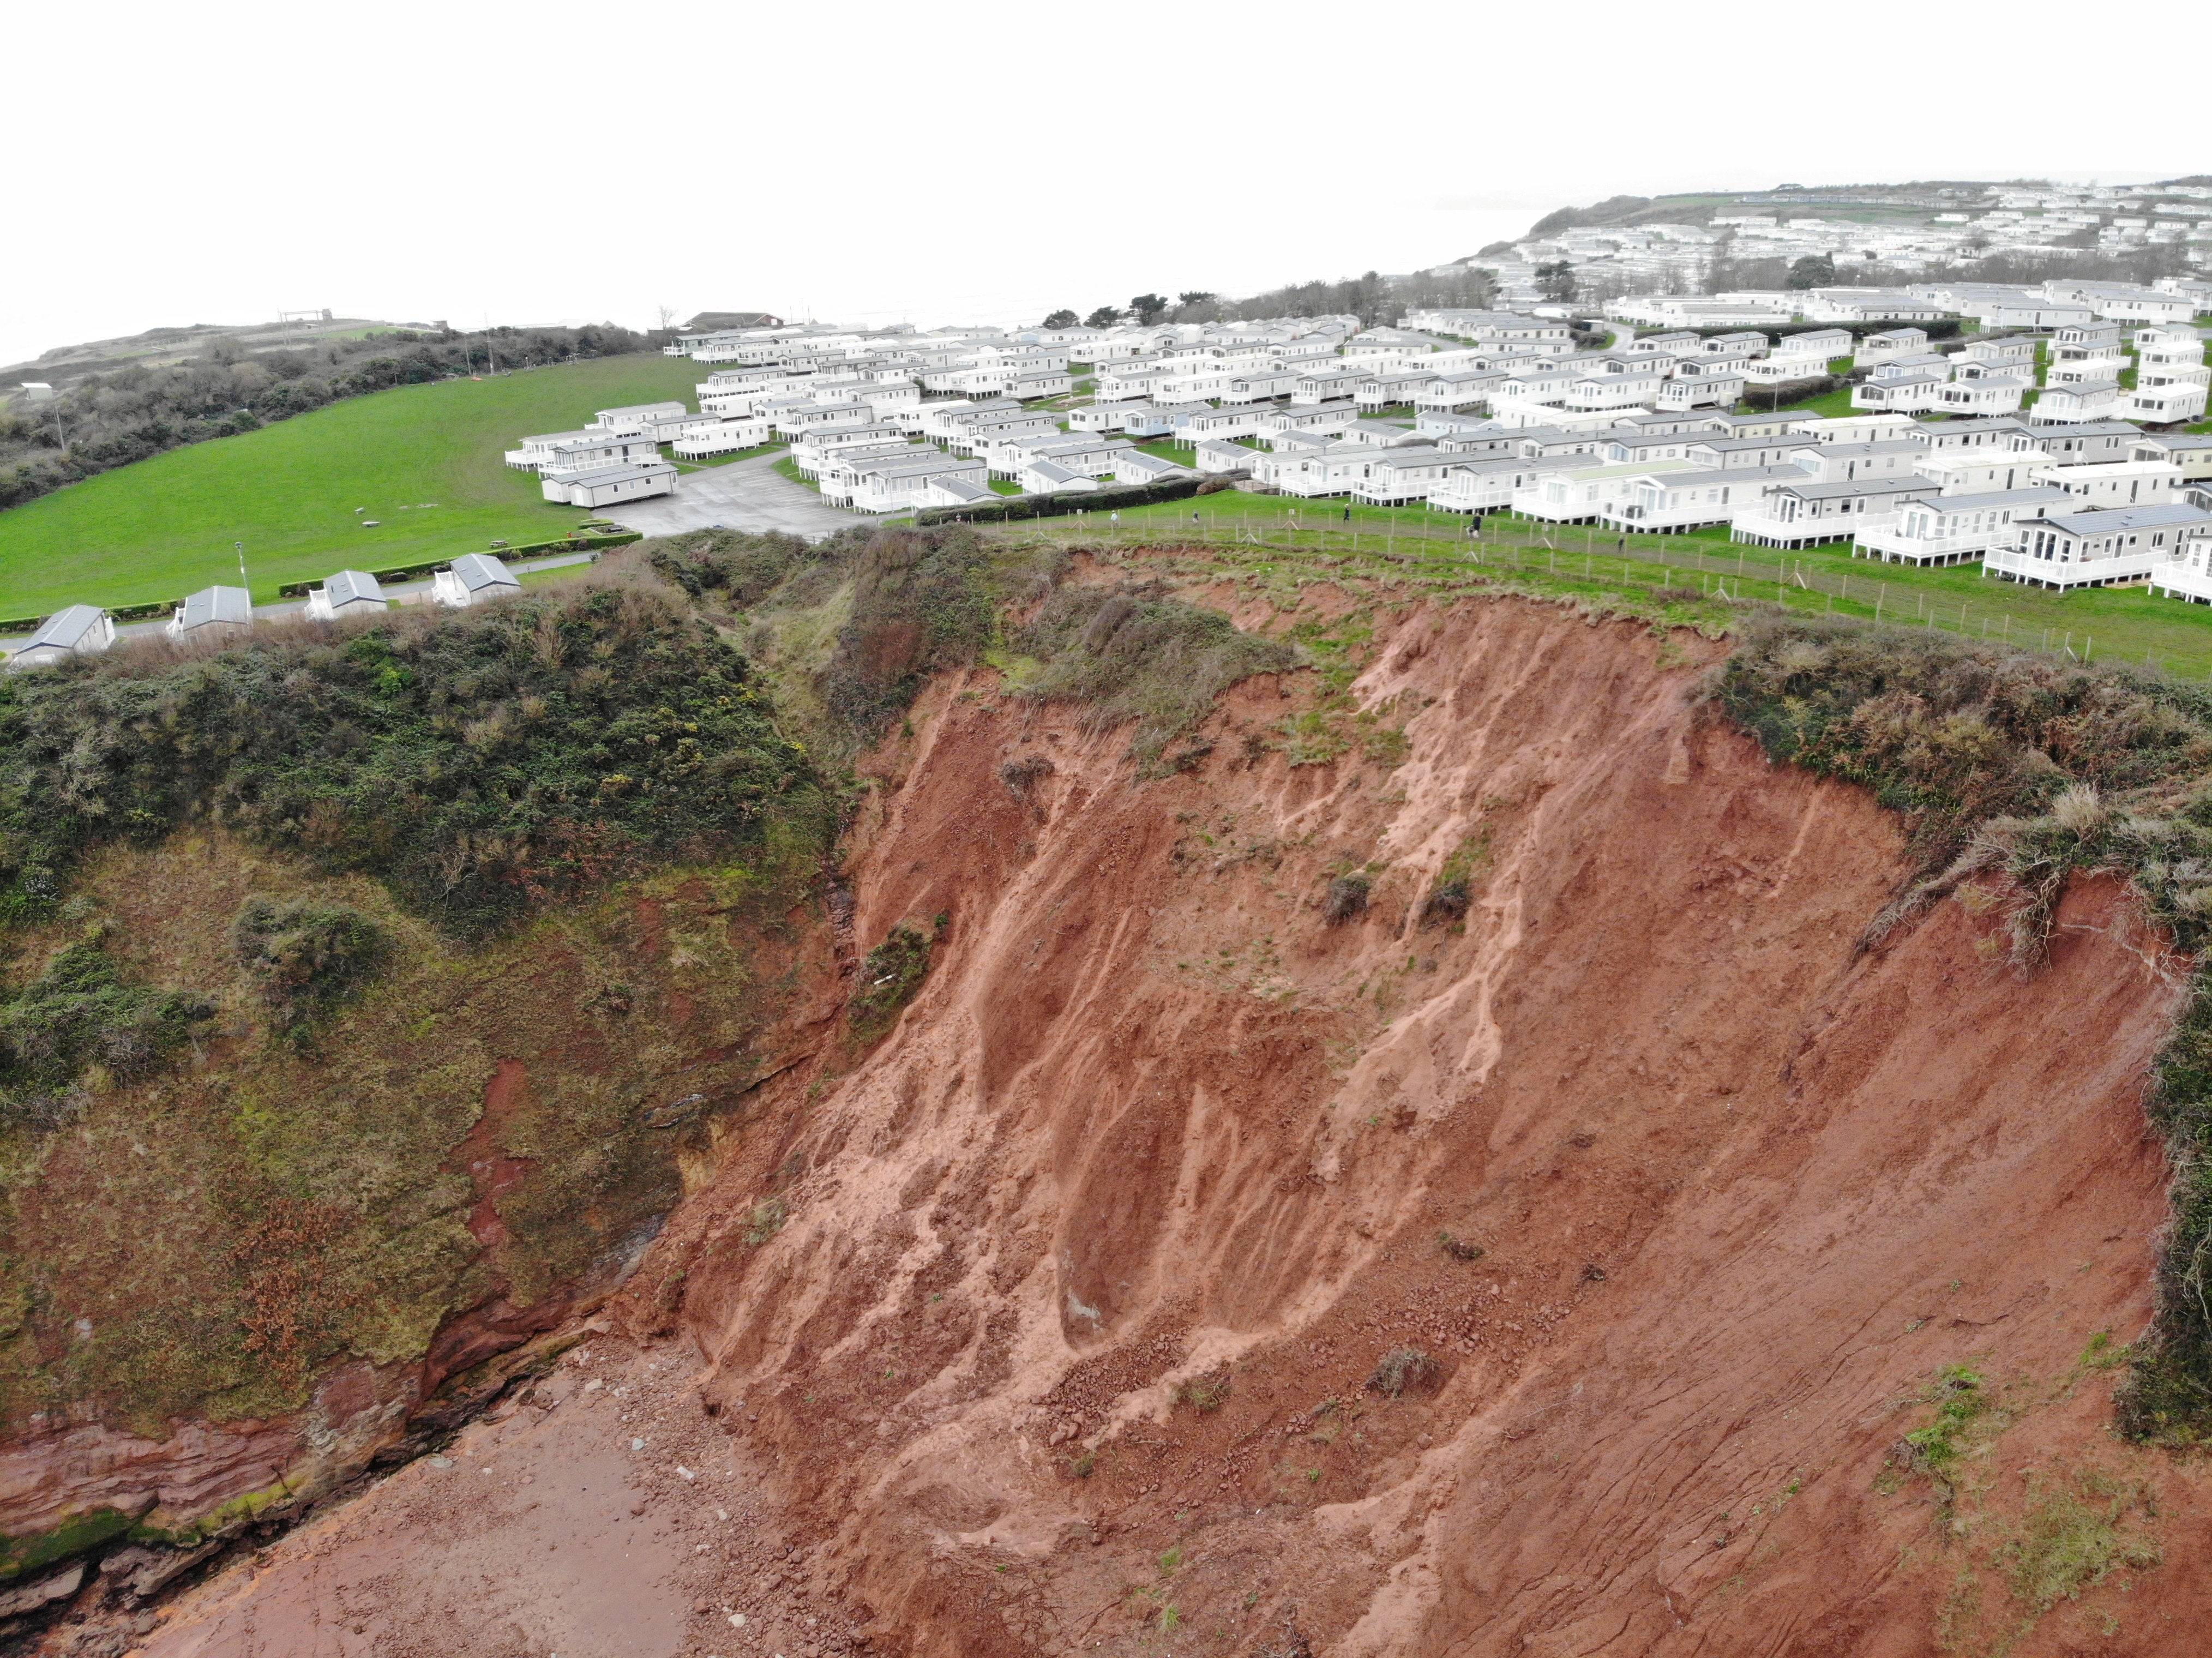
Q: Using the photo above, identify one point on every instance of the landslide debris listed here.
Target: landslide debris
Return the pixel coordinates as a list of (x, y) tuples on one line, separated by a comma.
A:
[(2034, 772)]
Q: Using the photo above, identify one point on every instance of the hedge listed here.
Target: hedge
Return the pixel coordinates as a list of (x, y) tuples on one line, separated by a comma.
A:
[(1015, 508)]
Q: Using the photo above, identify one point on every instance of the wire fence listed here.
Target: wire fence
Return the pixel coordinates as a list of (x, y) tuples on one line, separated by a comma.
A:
[(1583, 552)]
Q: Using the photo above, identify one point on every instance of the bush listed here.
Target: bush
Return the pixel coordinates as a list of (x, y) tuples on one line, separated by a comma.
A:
[(78, 1013), (888, 978), (478, 763), (741, 568), (307, 957), (1400, 1369), (1135, 653), (1014, 508), (1346, 899), (923, 600), (1022, 776)]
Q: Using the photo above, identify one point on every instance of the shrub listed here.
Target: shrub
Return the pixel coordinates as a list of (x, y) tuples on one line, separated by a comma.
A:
[(1205, 1395), (1457, 1249), (765, 1220), (923, 600), (1025, 774), (307, 957), (1452, 891), (742, 567), (1400, 1369), (478, 764), (1934, 1449), (77, 1013), (887, 978), (1135, 654), (1016, 507), (1346, 899)]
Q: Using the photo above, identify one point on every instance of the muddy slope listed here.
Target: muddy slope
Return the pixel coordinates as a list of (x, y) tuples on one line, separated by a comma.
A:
[(1058, 1320), (1741, 1193)]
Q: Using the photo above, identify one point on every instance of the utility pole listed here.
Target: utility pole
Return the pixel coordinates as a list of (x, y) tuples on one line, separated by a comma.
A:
[(241, 576)]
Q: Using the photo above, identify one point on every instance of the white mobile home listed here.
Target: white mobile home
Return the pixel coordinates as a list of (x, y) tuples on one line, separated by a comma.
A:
[(610, 486), (1956, 529), (472, 579), (78, 631), (350, 592), (721, 437), (636, 417), (213, 613), (1803, 515), (2095, 549)]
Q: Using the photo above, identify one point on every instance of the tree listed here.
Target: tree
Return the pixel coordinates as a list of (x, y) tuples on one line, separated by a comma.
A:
[(1060, 320), (1557, 282), (1104, 317), (1146, 306), (1196, 296), (1814, 271)]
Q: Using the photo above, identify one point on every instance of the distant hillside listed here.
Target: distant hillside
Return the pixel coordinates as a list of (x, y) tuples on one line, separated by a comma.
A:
[(121, 401), (162, 348), (706, 321)]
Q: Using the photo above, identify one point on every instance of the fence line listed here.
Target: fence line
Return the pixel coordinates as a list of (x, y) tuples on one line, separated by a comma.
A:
[(1513, 543)]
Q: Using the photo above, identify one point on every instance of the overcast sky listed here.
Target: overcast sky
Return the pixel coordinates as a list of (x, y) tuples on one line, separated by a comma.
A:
[(555, 162)]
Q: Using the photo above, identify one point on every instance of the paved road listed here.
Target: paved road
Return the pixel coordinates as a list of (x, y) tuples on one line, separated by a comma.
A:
[(745, 494)]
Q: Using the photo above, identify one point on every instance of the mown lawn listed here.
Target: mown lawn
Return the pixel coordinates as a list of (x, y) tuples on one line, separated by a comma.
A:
[(2130, 623), (424, 460)]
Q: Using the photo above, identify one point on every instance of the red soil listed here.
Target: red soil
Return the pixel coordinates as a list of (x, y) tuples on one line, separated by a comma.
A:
[(1741, 1188)]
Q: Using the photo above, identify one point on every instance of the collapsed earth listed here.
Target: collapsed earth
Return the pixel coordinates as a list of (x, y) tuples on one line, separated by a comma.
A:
[(932, 1093)]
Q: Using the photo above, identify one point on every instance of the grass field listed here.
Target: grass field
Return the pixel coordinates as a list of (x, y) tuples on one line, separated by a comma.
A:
[(423, 459), (2130, 623)]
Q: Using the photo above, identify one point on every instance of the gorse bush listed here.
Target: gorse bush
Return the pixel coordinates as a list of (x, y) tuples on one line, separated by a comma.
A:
[(307, 957), (888, 976), (2004, 763), (1137, 654), (77, 1013), (923, 600), (737, 566), (478, 764)]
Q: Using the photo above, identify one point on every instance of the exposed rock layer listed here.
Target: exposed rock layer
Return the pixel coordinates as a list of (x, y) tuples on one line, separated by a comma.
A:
[(1058, 1318), (1740, 1191)]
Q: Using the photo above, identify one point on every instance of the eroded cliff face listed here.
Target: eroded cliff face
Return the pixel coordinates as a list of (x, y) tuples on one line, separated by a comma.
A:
[(1070, 1336), (232, 1286)]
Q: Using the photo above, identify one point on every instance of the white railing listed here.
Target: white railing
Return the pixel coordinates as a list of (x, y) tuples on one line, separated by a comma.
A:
[(1887, 543), (1763, 527), (2067, 573), (2175, 578)]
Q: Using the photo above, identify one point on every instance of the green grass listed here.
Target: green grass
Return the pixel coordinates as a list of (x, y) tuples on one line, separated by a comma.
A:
[(2114, 621), (789, 468), (1181, 453), (423, 459)]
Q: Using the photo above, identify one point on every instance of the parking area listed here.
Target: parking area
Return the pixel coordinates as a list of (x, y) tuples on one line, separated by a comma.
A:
[(745, 494)]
